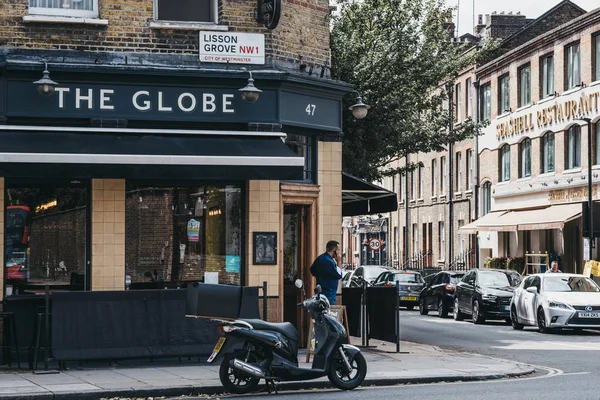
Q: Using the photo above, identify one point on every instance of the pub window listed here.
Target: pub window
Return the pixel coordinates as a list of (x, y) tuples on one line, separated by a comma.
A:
[(547, 76), (574, 147), (505, 163), (304, 146), (186, 10), (525, 158), (443, 175), (547, 153), (65, 8), (469, 169), (572, 66), (597, 57), (180, 234), (434, 177), (597, 143), (504, 94), (486, 102), (469, 91), (486, 198), (525, 86), (45, 236)]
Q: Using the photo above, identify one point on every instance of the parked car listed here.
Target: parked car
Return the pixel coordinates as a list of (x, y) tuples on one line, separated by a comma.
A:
[(366, 273), (347, 278), (438, 294), (410, 285), (555, 301), (485, 294)]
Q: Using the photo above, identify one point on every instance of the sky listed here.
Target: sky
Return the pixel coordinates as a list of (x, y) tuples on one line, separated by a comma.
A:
[(529, 8)]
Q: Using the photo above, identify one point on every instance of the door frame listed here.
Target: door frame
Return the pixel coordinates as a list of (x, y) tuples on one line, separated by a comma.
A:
[(306, 195)]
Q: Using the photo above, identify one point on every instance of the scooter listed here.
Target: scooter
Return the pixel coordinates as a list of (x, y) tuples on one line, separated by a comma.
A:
[(254, 349)]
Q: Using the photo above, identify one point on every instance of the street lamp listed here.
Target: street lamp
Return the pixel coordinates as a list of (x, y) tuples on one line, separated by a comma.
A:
[(359, 109), (45, 86), (250, 93), (590, 197)]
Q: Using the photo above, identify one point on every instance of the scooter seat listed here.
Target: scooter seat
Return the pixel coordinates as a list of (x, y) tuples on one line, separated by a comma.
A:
[(284, 328)]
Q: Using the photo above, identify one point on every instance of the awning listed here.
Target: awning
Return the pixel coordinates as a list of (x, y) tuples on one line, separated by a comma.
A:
[(146, 154), (360, 197), (486, 223), (552, 217)]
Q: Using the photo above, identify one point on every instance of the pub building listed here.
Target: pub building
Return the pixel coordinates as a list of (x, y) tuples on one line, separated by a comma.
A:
[(118, 175)]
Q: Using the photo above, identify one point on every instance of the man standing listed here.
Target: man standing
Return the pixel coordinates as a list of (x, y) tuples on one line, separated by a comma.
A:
[(553, 268), (326, 269)]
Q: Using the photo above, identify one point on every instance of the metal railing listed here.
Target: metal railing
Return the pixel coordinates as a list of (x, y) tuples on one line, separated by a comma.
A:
[(464, 261)]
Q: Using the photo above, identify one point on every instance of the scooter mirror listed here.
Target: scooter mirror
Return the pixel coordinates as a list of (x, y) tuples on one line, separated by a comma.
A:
[(318, 289), (299, 284)]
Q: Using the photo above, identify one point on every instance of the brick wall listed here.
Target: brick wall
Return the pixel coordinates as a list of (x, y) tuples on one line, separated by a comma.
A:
[(301, 37)]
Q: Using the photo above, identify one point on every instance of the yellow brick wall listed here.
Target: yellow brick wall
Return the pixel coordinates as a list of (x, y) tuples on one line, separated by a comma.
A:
[(330, 200), (108, 234), (264, 215), (2, 235)]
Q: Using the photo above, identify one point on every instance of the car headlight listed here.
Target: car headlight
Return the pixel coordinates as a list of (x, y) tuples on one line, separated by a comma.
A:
[(563, 306), (488, 297)]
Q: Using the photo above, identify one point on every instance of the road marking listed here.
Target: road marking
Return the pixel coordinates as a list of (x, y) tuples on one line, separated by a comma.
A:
[(577, 373), (546, 345)]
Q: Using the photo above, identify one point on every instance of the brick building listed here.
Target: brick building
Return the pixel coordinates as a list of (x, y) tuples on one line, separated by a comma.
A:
[(431, 238), (179, 177)]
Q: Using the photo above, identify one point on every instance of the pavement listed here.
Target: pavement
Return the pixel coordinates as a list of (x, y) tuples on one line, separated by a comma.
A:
[(416, 363)]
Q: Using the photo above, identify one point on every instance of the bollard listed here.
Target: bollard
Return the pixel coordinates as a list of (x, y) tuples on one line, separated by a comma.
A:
[(397, 316), (265, 299)]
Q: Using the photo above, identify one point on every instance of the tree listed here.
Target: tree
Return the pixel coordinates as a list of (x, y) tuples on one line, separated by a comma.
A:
[(398, 53)]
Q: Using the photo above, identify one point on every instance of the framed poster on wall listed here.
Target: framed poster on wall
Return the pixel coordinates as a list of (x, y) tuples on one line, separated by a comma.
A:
[(265, 248)]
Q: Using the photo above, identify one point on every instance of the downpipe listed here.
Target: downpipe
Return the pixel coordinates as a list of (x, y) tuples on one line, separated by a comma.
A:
[(247, 368)]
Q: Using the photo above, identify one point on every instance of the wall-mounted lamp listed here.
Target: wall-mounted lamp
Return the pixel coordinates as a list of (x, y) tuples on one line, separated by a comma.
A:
[(250, 93), (359, 109), (45, 86)]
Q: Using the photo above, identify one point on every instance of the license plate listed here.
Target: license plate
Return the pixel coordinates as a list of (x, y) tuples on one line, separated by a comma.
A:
[(408, 298), (505, 308), (589, 315), (217, 349)]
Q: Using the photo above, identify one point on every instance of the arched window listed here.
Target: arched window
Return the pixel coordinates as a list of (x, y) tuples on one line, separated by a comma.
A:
[(525, 158), (547, 161), (505, 163), (486, 198), (574, 147)]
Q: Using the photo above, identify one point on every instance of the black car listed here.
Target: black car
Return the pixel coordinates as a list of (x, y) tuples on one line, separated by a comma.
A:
[(439, 293), (410, 285), (485, 294)]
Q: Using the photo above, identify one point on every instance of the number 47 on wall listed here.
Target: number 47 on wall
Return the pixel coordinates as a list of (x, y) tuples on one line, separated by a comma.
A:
[(310, 109)]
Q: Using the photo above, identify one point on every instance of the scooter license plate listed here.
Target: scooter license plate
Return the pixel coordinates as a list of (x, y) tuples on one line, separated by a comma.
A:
[(217, 349)]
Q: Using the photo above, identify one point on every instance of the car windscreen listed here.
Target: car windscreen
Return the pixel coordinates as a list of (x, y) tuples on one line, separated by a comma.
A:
[(569, 284), (372, 273), (493, 279), (455, 279), (406, 278)]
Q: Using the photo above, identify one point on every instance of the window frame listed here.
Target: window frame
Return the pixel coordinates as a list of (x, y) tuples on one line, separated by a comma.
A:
[(525, 158), (504, 94), (434, 181), (547, 88), (413, 185), (545, 159), (573, 156), (504, 167), (486, 198), (421, 184), (214, 14), (458, 105), (596, 57), (309, 169), (443, 175), (62, 12), (486, 102), (441, 241), (469, 161), (469, 97), (458, 159), (596, 127), (571, 82), (524, 101)]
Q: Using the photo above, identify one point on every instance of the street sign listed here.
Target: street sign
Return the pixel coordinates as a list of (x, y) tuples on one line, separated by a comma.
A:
[(232, 47), (374, 244)]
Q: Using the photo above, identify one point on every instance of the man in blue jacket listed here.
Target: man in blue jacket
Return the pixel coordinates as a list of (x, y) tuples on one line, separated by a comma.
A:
[(326, 269)]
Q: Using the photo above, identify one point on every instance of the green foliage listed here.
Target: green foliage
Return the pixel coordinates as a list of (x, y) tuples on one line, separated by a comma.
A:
[(397, 53), (516, 263), (496, 262)]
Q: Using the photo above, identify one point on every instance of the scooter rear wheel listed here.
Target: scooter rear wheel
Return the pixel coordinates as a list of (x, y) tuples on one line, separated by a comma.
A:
[(348, 381), (235, 381)]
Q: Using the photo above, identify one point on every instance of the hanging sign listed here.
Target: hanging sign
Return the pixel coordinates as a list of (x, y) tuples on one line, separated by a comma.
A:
[(193, 230)]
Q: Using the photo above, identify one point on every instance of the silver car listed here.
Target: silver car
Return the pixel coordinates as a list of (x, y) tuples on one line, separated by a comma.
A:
[(554, 301)]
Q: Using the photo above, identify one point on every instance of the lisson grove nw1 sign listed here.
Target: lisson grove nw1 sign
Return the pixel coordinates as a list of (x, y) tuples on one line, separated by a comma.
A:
[(232, 47)]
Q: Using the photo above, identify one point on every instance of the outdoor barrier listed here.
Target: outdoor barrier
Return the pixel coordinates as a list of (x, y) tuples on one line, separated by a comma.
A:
[(142, 324), (352, 298)]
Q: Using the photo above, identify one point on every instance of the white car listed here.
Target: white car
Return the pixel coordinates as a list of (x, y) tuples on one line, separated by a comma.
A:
[(554, 301)]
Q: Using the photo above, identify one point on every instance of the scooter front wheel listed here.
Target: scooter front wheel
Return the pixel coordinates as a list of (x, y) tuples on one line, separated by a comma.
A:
[(341, 378), (234, 381)]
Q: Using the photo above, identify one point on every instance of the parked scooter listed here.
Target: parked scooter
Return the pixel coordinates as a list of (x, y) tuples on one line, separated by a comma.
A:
[(254, 350)]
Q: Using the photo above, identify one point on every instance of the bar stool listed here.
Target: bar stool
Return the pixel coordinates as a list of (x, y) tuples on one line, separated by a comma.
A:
[(9, 333), (40, 344)]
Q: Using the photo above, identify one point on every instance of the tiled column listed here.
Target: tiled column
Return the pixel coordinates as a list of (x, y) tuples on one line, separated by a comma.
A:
[(108, 234), (330, 199)]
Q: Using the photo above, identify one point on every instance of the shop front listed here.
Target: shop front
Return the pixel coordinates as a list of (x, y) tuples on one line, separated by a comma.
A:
[(138, 179)]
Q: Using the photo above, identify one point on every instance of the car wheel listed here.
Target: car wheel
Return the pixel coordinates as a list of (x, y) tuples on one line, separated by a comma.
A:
[(541, 320), (442, 310), (458, 316), (422, 309), (410, 308), (514, 321), (477, 317)]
